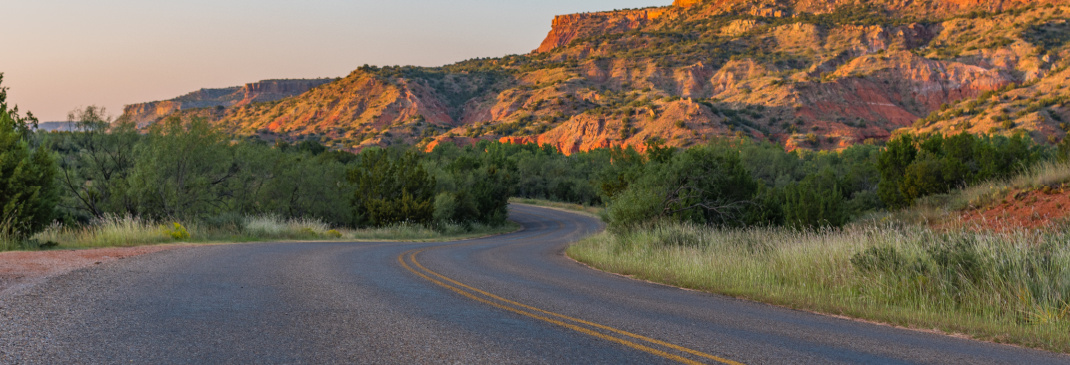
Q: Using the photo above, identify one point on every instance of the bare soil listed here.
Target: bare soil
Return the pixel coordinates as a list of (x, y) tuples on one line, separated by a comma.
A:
[(1036, 209), (23, 269)]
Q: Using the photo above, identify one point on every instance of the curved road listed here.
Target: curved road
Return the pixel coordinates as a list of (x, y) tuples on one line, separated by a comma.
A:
[(513, 298)]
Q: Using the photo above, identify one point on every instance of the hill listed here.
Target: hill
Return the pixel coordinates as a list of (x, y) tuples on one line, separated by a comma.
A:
[(803, 73), (262, 91)]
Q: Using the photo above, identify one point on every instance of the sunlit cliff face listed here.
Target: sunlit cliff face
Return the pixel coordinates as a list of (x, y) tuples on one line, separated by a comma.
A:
[(684, 76)]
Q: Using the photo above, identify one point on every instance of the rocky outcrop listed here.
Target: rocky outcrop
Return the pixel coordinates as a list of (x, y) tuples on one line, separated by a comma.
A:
[(783, 8), (268, 90), (698, 70), (567, 28)]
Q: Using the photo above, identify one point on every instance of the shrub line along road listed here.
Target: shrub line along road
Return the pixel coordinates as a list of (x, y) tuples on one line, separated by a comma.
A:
[(513, 298)]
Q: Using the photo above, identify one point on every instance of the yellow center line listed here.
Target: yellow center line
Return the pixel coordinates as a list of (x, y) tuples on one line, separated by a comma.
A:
[(412, 256)]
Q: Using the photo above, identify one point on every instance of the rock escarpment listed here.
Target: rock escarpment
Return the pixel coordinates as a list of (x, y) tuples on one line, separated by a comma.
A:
[(567, 28), (801, 73), (268, 90)]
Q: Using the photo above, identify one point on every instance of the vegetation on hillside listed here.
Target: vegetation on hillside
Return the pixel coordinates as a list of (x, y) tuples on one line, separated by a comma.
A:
[(786, 74)]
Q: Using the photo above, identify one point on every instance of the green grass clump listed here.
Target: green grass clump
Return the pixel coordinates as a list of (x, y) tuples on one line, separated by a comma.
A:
[(1004, 287)]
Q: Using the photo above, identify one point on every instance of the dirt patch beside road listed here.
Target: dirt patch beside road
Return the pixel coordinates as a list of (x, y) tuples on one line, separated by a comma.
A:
[(22, 269), (1034, 209)]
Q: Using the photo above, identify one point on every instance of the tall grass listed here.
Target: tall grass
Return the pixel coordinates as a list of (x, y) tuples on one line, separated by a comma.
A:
[(274, 227), (110, 231), (115, 231), (590, 210), (1047, 174), (417, 232), (1006, 287), (7, 241)]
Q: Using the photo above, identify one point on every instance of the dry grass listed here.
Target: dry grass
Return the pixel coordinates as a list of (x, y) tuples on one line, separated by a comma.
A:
[(1051, 174), (131, 231), (107, 232), (589, 210), (1009, 287)]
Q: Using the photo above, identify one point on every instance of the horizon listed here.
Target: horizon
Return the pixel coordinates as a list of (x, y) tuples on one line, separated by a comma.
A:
[(88, 55)]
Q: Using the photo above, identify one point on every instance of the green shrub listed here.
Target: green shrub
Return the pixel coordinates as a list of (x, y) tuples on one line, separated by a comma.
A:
[(817, 201), (912, 167)]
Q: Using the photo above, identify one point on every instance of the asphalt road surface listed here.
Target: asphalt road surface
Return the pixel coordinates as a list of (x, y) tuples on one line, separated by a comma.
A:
[(513, 298)]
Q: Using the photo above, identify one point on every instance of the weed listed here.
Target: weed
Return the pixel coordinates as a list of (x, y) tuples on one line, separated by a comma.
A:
[(179, 232)]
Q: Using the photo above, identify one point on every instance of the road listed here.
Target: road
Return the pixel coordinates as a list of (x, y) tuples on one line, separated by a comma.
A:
[(513, 298)]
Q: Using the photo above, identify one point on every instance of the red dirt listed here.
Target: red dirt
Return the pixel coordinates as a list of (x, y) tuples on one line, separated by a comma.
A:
[(1035, 209), (22, 269)]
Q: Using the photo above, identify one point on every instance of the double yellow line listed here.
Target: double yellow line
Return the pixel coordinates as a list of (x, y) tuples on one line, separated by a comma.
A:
[(408, 260)]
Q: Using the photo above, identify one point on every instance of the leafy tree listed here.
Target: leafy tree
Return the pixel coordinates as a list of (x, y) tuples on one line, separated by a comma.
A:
[(183, 169), (290, 184), (893, 162), (475, 185), (27, 175), (912, 167), (625, 167), (817, 201), (1063, 149), (706, 184), (391, 190), (96, 168)]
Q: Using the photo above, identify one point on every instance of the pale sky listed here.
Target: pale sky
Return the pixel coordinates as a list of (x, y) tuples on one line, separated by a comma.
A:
[(60, 55)]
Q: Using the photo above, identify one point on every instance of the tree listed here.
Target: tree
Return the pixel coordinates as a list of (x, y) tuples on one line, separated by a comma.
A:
[(893, 162), (183, 170), (706, 185), (390, 190), (709, 184), (817, 201), (27, 175), (96, 171)]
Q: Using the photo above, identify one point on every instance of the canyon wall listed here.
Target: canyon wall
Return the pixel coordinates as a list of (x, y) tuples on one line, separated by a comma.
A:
[(267, 90)]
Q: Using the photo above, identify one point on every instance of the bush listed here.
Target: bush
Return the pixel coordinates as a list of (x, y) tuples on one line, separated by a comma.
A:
[(27, 177), (912, 167), (178, 232)]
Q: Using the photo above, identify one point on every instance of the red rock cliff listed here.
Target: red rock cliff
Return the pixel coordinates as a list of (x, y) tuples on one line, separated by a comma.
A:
[(268, 90), (567, 28)]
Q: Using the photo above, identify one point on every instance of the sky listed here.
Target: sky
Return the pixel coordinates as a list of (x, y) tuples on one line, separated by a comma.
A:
[(61, 55)]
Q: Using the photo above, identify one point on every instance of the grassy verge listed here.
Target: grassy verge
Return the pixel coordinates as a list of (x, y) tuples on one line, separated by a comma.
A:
[(1012, 288), (589, 210), (128, 231), (936, 208)]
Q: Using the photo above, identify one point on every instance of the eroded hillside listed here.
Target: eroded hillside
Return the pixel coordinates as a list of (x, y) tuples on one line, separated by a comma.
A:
[(804, 73)]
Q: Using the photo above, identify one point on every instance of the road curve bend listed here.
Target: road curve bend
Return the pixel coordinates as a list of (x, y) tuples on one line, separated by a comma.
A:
[(513, 298)]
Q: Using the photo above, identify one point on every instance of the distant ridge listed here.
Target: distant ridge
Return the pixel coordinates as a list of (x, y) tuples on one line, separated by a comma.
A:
[(809, 74), (267, 90), (56, 126)]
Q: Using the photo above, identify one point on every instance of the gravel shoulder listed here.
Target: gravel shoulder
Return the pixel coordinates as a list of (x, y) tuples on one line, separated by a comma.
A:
[(20, 270)]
